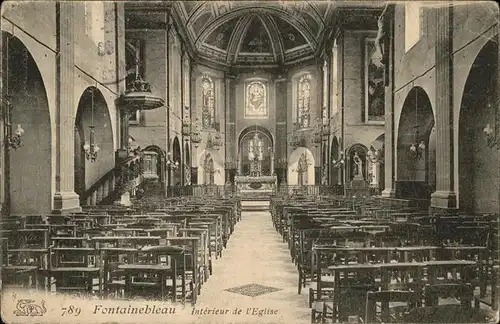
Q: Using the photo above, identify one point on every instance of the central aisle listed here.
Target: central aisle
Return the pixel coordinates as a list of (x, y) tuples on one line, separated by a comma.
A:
[(255, 256)]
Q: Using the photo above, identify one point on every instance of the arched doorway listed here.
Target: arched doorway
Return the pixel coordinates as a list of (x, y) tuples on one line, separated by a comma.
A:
[(176, 157), (255, 139), (187, 165), (154, 163), (478, 163), (92, 127), (376, 161), (416, 147), (27, 176), (357, 152), (334, 156), (301, 167)]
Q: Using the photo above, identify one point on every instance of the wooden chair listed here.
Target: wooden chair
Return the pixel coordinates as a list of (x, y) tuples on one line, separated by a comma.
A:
[(385, 298), (76, 269), (156, 276), (26, 258)]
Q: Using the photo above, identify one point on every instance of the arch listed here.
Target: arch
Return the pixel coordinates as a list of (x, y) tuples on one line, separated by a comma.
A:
[(244, 143), (416, 145), (302, 154), (362, 151), (160, 161), (478, 163), (92, 111), (376, 158), (30, 109), (256, 128)]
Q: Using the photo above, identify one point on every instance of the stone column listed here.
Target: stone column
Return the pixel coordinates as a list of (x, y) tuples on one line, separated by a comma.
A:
[(280, 147), (65, 198), (272, 162), (230, 125), (444, 197), (390, 142)]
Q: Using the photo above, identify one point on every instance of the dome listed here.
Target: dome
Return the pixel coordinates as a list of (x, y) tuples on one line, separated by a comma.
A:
[(237, 33)]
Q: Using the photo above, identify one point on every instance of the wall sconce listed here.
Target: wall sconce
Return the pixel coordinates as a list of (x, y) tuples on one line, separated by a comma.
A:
[(375, 155), (170, 163), (91, 149), (339, 163), (491, 141), (15, 141)]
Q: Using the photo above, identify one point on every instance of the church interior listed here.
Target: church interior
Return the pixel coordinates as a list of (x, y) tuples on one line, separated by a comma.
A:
[(322, 161)]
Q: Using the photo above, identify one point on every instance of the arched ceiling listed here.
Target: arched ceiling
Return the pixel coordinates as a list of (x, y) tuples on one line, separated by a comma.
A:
[(254, 32)]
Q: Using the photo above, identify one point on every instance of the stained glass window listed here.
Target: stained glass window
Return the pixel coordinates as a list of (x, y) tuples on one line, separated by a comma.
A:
[(256, 100), (304, 101), (208, 108)]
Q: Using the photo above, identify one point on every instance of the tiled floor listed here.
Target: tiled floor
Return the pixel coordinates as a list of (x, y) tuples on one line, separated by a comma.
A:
[(257, 259)]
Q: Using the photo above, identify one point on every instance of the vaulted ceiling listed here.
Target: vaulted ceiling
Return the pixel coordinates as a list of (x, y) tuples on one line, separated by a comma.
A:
[(258, 33), (261, 32)]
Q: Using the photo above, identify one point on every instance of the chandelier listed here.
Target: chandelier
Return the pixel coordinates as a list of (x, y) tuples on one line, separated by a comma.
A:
[(340, 162), (171, 164), (375, 155), (91, 148), (417, 148), (491, 141), (13, 141)]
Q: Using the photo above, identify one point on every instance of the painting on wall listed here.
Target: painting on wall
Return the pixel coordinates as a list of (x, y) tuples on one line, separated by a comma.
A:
[(256, 99), (374, 84)]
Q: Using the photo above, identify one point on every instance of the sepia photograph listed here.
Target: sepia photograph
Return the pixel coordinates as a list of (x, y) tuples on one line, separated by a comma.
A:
[(240, 162)]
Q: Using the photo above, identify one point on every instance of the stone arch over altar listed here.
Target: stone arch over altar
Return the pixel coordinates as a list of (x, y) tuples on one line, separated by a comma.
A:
[(255, 152)]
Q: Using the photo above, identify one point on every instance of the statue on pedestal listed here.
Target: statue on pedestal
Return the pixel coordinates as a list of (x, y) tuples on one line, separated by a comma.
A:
[(358, 167)]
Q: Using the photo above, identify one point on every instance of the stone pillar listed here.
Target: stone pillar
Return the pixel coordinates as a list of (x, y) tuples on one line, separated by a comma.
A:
[(444, 197), (390, 137), (230, 126), (65, 198), (272, 162), (280, 147)]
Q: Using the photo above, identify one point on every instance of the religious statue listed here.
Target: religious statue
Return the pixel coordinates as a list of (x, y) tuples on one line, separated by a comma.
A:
[(358, 166)]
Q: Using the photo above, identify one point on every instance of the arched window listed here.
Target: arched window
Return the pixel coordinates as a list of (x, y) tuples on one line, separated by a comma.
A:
[(209, 170), (302, 168), (208, 101), (304, 101)]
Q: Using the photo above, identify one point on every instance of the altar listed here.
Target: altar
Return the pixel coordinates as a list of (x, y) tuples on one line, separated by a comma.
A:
[(255, 187), (255, 177)]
